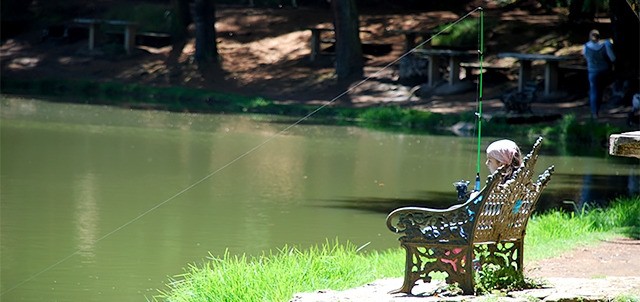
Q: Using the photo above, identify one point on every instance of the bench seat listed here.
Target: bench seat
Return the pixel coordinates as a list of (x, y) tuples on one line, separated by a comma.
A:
[(460, 239)]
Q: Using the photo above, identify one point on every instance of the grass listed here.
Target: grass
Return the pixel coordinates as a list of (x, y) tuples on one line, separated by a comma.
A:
[(626, 298), (556, 231), (276, 276)]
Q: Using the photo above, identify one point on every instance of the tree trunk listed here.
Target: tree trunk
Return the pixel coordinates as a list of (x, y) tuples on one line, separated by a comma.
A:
[(180, 20), (581, 11), (349, 61), (626, 41), (203, 14)]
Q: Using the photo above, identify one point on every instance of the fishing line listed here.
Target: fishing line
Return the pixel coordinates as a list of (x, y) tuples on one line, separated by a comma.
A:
[(241, 156)]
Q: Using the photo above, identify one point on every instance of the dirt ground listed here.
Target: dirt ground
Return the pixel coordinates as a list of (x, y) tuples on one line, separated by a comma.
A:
[(617, 257), (265, 52)]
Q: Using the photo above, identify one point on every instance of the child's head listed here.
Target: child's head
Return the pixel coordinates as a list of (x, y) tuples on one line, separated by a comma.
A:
[(501, 153)]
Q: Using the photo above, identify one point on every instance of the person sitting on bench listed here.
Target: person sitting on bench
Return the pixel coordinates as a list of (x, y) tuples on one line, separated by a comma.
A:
[(500, 153), (503, 153)]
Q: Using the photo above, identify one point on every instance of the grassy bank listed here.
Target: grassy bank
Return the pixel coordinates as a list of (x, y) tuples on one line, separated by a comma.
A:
[(568, 136), (276, 276)]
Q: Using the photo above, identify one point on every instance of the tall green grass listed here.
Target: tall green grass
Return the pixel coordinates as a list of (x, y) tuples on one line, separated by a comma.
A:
[(276, 276), (570, 136), (554, 232)]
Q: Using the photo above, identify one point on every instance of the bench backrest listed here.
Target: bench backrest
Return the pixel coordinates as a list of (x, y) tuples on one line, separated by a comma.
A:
[(498, 213), (505, 209)]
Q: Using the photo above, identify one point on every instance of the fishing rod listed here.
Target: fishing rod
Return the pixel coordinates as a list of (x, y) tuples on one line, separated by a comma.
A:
[(462, 185), (479, 102)]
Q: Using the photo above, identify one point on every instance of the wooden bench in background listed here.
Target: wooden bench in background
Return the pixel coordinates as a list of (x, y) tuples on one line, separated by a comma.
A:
[(551, 63), (490, 224), (317, 39), (129, 31), (323, 35), (124, 32), (454, 58)]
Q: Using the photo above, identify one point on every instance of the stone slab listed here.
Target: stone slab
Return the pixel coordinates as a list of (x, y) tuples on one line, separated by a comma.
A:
[(625, 144)]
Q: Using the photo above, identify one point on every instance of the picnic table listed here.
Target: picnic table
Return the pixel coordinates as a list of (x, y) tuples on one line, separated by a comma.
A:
[(129, 30), (550, 70), (435, 56), (317, 38)]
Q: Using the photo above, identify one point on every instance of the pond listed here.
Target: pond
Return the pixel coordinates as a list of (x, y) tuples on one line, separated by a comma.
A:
[(105, 204)]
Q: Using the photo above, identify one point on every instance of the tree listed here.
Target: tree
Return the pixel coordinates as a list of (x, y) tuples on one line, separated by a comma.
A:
[(349, 61), (626, 33), (581, 10), (180, 20), (203, 14)]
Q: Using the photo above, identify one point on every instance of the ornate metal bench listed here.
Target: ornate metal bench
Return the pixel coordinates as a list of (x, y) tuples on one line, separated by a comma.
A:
[(488, 228)]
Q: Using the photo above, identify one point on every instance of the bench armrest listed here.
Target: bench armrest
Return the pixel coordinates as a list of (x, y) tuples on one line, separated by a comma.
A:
[(425, 224), (442, 225)]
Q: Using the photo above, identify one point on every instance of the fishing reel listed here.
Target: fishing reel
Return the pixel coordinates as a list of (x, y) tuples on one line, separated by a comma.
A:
[(462, 187)]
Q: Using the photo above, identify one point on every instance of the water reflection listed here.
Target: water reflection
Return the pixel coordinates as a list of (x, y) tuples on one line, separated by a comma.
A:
[(434, 200), (588, 189), (87, 216), (566, 192)]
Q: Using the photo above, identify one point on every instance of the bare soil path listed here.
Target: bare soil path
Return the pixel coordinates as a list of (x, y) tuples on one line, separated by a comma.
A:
[(614, 258)]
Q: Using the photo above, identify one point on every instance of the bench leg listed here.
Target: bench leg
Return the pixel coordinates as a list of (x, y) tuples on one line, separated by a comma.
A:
[(454, 70), (92, 36), (315, 45), (129, 38), (468, 283), (524, 75), (520, 246), (409, 277), (434, 71), (456, 261), (550, 77)]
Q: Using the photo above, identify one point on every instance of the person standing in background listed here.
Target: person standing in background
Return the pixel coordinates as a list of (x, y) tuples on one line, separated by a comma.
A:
[(599, 56)]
